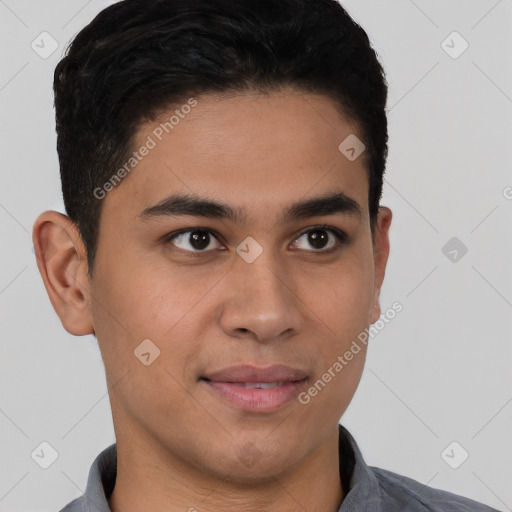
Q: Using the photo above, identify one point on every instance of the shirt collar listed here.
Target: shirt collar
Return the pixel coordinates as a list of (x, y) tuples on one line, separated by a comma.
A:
[(363, 488), (364, 491)]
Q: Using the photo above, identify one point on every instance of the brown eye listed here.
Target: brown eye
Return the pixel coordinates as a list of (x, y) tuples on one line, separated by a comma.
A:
[(318, 238), (193, 240), (321, 239)]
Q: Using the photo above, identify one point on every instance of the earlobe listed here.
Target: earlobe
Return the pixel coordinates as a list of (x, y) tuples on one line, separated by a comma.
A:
[(376, 311), (381, 253), (61, 261)]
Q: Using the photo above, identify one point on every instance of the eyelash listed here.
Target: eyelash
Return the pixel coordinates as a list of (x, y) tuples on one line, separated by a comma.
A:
[(341, 238)]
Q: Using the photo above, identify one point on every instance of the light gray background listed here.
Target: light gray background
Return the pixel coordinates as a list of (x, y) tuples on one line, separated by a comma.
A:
[(439, 372)]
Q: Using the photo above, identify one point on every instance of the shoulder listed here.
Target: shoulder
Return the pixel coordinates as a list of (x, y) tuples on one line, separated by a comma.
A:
[(411, 495), (100, 484), (76, 505)]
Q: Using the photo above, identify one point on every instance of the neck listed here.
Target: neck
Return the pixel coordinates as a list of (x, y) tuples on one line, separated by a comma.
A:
[(149, 478)]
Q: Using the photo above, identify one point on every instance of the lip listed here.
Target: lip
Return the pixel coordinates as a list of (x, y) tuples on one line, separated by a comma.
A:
[(228, 385), (249, 373)]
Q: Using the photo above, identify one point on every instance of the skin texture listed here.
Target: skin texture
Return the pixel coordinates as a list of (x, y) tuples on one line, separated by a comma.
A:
[(180, 445)]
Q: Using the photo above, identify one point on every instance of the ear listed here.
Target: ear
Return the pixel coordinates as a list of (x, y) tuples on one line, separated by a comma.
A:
[(62, 263), (380, 257)]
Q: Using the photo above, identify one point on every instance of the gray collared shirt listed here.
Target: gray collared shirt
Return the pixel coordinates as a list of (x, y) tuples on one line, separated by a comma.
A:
[(371, 489)]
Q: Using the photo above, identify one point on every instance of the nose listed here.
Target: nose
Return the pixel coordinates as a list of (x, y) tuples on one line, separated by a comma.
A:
[(260, 301)]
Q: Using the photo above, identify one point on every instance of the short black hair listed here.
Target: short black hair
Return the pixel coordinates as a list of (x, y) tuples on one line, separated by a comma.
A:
[(137, 58)]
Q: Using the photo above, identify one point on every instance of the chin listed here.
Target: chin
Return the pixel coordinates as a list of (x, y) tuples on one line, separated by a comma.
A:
[(256, 462), (263, 471)]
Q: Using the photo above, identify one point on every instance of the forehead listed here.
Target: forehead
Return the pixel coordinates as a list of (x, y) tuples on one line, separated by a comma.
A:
[(253, 150)]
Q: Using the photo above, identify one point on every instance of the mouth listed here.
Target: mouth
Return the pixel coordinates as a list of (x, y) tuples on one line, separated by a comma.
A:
[(258, 385), (252, 389)]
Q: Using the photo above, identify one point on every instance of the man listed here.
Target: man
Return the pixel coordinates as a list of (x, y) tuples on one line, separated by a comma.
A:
[(222, 166)]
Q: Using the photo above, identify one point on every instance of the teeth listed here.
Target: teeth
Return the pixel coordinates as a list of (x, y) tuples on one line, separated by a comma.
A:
[(262, 385)]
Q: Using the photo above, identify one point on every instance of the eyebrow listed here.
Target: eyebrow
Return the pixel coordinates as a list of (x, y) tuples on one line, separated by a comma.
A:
[(189, 204)]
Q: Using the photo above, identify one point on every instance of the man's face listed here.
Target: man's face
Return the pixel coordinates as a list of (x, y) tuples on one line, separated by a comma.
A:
[(221, 319)]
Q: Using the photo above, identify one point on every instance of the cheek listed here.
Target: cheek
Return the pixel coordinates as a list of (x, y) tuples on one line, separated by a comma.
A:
[(142, 293), (132, 302), (127, 313), (341, 295)]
